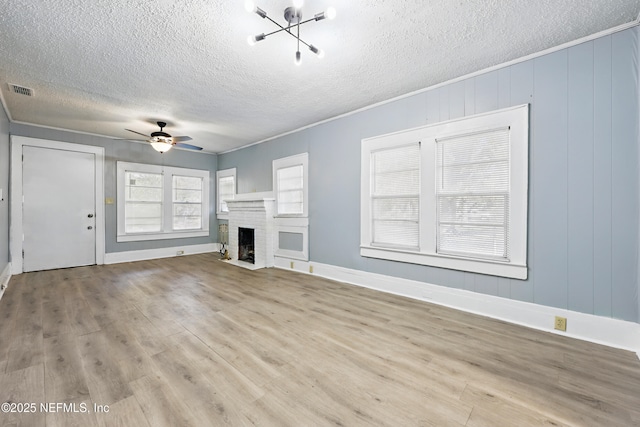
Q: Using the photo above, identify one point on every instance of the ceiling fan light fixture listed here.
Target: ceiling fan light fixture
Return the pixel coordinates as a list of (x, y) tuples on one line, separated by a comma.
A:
[(161, 147)]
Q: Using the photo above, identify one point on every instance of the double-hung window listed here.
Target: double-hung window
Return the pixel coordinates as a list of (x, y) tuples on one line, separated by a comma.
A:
[(226, 190), (161, 202), (290, 181), (451, 195)]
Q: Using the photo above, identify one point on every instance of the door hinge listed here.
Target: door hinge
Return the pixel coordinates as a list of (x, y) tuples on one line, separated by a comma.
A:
[(23, 254)]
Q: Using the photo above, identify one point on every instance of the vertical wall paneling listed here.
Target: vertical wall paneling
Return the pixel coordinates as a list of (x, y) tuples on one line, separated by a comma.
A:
[(416, 110), (469, 97), (521, 90), (504, 88), (584, 190), (444, 103), (549, 176), (456, 100), (624, 113), (334, 192), (602, 215), (433, 106), (580, 178), (486, 92), (487, 284)]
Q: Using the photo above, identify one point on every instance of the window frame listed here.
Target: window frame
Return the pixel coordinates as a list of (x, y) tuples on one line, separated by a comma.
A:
[(517, 118), (287, 162), (167, 231), (224, 174)]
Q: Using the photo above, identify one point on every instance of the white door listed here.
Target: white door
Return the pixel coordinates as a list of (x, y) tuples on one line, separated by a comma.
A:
[(58, 208)]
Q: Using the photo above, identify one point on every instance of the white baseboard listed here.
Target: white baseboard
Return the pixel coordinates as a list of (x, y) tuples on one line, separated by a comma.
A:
[(146, 254), (4, 279), (597, 329)]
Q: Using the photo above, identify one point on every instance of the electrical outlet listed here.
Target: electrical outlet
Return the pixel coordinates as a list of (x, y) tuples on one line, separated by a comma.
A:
[(180, 253), (561, 323), (291, 264), (311, 269)]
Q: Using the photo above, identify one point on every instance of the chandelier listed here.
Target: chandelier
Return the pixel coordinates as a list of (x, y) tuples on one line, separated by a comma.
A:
[(293, 16)]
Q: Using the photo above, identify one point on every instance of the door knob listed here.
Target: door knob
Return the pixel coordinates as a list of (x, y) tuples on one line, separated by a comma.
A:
[(89, 228), (90, 215)]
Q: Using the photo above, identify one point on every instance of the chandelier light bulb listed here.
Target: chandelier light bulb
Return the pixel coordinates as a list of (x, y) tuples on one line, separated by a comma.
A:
[(331, 13), (298, 3), (251, 40), (250, 6), (321, 54)]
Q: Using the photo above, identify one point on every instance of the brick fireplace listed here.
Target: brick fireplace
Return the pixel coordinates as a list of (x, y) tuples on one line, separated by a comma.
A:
[(252, 211)]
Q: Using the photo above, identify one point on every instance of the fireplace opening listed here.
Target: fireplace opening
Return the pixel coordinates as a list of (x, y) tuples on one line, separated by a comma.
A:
[(246, 250)]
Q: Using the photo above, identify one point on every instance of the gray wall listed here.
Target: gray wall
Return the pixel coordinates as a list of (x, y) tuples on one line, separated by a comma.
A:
[(584, 175), (134, 152), (4, 184)]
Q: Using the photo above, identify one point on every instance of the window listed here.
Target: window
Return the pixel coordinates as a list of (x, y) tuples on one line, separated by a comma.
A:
[(395, 196), (290, 186), (187, 202), (143, 202), (161, 202), (226, 182), (451, 195)]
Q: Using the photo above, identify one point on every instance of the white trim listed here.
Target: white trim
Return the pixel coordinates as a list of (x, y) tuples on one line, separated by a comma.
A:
[(588, 327), (5, 276), (289, 253), (147, 254), (534, 55), (15, 226), (141, 237)]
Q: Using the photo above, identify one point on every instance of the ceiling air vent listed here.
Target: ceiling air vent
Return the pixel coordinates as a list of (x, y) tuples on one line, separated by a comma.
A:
[(21, 90)]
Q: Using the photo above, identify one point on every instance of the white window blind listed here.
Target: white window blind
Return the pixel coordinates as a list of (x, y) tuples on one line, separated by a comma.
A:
[(143, 202), (395, 196), (472, 194), (226, 191), (290, 190), (187, 202)]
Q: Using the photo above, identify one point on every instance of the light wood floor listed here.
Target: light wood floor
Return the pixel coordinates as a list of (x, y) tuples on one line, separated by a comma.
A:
[(194, 341)]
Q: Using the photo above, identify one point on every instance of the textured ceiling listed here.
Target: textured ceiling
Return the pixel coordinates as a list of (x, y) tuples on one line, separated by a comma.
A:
[(102, 66)]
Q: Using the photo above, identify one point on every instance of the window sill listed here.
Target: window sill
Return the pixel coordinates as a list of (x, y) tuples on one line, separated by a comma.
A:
[(492, 268), (162, 236)]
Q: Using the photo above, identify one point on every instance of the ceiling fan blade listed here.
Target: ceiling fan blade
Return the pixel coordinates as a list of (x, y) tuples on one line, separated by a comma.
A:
[(182, 138), (187, 146), (138, 133)]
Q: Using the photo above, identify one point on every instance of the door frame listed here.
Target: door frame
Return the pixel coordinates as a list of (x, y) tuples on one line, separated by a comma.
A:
[(16, 194)]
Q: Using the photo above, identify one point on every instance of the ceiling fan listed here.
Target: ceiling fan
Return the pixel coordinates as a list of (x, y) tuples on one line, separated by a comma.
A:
[(163, 142)]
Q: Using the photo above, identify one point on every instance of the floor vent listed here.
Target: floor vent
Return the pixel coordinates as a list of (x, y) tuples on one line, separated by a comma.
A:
[(21, 90)]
